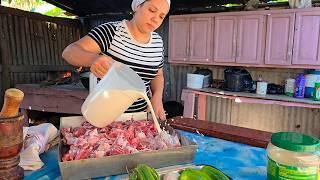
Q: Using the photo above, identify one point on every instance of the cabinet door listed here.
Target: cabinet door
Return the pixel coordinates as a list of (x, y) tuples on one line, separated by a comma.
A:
[(306, 49), (178, 39), (279, 39), (224, 39), (251, 39), (200, 38)]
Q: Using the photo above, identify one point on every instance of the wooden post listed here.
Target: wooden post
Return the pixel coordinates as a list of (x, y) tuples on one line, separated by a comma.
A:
[(189, 99), (201, 108)]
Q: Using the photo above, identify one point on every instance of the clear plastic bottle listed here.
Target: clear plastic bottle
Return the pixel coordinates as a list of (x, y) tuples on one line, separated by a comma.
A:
[(292, 156), (300, 85)]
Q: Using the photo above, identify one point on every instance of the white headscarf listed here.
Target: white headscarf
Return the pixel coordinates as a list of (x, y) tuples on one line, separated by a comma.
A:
[(136, 3)]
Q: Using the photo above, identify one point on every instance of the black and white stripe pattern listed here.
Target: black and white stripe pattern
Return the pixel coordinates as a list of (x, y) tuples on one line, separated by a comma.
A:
[(115, 40)]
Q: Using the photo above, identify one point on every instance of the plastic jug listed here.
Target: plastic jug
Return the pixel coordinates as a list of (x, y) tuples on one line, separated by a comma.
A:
[(113, 95)]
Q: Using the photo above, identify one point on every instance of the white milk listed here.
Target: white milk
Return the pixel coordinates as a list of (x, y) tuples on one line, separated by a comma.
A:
[(115, 102), (156, 123)]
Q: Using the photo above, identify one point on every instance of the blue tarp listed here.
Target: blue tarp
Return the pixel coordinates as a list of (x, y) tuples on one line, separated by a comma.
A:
[(237, 160)]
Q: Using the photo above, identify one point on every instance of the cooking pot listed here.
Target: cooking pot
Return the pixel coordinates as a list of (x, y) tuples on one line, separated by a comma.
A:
[(237, 80)]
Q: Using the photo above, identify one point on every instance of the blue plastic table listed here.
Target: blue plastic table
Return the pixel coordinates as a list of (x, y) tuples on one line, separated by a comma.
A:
[(237, 160)]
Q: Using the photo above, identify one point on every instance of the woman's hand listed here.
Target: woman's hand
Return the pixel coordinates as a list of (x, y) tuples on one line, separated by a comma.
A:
[(101, 65), (157, 107)]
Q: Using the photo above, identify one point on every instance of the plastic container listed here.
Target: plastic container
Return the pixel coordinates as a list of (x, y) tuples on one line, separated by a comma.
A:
[(290, 87), (300, 86), (113, 95), (208, 77), (195, 81), (262, 87), (293, 156), (316, 93), (309, 85)]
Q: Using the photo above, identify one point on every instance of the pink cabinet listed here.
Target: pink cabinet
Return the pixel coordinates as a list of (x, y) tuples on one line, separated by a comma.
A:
[(200, 39), (250, 39), (279, 39), (275, 38), (239, 39), (178, 39), (189, 39), (224, 42), (306, 50)]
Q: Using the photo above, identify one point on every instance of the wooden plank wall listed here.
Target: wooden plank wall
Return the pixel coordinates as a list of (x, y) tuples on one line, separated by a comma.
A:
[(31, 45)]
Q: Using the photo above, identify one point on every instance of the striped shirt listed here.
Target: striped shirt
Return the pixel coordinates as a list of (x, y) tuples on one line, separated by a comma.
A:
[(115, 40)]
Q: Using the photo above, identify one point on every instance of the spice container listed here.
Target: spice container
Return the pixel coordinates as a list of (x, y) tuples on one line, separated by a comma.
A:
[(300, 86), (293, 156), (290, 87)]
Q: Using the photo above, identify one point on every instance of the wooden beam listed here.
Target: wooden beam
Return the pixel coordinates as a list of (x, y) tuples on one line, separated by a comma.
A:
[(40, 68), (223, 131)]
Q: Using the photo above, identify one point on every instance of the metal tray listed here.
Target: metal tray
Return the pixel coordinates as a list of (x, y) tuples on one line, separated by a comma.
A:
[(119, 164)]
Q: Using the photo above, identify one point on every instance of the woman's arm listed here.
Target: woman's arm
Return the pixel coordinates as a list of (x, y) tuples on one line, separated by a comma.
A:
[(82, 52), (85, 52), (157, 86)]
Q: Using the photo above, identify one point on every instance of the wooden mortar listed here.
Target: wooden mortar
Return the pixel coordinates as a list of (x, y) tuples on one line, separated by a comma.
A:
[(11, 135)]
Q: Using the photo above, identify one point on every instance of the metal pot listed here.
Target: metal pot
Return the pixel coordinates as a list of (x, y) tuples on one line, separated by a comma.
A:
[(237, 80)]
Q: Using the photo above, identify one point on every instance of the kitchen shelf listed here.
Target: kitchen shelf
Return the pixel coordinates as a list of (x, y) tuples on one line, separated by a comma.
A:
[(263, 99), (188, 96)]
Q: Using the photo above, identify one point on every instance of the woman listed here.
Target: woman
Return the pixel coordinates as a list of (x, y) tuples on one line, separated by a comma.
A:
[(133, 43)]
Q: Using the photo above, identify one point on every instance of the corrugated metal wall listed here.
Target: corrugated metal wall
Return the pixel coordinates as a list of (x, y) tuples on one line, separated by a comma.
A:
[(258, 116)]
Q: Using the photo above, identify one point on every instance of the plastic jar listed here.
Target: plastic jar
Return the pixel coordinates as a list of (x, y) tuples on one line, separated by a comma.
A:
[(300, 86), (293, 156), (290, 87)]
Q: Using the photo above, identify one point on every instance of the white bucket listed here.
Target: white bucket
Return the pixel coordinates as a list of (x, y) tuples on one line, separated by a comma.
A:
[(262, 88), (195, 81)]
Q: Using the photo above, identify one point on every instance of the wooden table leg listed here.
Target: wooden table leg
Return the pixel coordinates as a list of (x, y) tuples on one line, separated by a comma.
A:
[(201, 107), (189, 99)]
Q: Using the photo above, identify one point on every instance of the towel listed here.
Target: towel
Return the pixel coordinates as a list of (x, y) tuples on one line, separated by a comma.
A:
[(35, 139), (136, 3)]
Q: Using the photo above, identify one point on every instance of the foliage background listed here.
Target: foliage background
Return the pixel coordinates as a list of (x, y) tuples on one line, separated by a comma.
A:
[(38, 6)]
